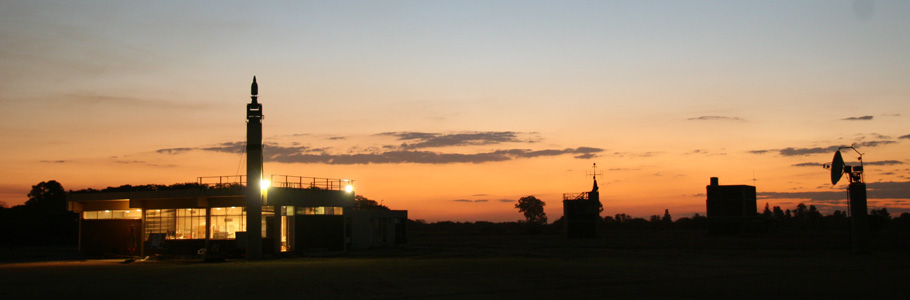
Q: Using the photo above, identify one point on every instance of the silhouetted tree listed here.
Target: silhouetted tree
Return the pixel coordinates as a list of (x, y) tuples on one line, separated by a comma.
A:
[(42, 220), (361, 202), (779, 213), (801, 211), (879, 219), (49, 197), (622, 218), (767, 212), (695, 222), (666, 218), (814, 214), (532, 208)]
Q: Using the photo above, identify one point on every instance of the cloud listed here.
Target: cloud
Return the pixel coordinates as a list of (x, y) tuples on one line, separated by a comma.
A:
[(904, 137), (792, 151), (418, 140), (807, 164), (228, 147), (304, 154), (55, 161), (883, 163), (875, 190), (471, 201), (174, 151), (142, 162), (867, 163), (863, 118), (506, 200), (425, 157), (639, 154), (409, 152), (130, 161), (717, 118)]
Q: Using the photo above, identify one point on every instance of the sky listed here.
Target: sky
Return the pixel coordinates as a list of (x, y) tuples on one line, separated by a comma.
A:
[(453, 110)]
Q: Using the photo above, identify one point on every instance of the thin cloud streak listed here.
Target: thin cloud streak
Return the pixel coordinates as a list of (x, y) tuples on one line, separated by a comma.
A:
[(717, 118), (875, 190), (792, 151), (304, 154), (867, 163), (863, 118), (419, 140)]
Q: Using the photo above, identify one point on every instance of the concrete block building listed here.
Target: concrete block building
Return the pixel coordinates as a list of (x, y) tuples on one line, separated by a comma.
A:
[(730, 208)]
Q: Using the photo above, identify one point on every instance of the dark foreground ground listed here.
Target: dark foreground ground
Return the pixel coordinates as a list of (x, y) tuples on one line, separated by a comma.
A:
[(632, 264)]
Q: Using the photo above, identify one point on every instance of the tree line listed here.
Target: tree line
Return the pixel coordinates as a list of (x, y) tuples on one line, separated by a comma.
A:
[(42, 221), (801, 217)]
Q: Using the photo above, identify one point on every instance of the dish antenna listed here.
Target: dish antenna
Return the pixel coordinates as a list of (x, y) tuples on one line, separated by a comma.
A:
[(859, 224), (839, 168)]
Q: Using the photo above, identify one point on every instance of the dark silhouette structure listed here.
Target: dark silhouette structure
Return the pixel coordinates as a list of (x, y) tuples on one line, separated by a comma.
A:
[(730, 208), (233, 215), (581, 212), (859, 218), (254, 174)]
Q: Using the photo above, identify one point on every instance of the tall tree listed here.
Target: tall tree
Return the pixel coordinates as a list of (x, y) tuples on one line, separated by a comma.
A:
[(48, 197), (532, 208), (767, 213)]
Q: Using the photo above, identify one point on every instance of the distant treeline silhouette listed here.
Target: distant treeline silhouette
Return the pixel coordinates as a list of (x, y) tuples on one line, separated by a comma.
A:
[(801, 218), (45, 220)]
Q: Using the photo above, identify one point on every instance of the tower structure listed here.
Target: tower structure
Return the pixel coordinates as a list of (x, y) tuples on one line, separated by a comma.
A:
[(581, 211), (730, 208), (254, 174)]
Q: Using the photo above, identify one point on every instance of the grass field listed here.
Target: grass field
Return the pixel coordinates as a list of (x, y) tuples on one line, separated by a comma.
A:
[(645, 265)]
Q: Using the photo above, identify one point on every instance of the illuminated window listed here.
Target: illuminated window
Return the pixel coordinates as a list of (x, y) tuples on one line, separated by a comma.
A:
[(190, 223), (319, 210), (161, 221), (132, 214), (226, 221)]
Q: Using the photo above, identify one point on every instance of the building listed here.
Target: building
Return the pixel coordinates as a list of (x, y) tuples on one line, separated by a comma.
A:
[(730, 208), (581, 213), (234, 215)]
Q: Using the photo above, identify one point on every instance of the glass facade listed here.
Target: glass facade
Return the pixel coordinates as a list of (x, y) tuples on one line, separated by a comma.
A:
[(133, 214), (190, 223), (161, 221), (226, 221), (319, 210)]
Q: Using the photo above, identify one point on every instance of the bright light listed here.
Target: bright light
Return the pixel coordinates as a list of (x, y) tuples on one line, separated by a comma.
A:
[(349, 188), (264, 184)]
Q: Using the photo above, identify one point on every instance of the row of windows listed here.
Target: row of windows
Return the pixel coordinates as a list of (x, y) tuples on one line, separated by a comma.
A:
[(113, 214), (190, 223)]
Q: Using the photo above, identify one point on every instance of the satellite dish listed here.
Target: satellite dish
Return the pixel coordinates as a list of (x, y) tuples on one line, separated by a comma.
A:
[(837, 167)]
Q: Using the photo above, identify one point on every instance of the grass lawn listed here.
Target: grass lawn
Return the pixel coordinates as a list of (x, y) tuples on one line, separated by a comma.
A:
[(670, 265)]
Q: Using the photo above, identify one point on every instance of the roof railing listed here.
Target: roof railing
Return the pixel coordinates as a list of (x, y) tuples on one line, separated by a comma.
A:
[(302, 182), (222, 181), (575, 196)]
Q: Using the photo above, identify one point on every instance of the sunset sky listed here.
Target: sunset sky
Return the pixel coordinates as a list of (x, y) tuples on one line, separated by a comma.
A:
[(453, 110)]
